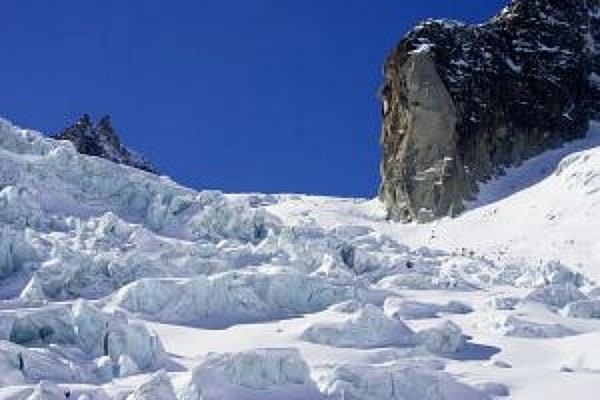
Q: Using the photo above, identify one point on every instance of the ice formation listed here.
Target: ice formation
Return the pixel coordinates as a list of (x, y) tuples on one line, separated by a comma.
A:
[(110, 274)]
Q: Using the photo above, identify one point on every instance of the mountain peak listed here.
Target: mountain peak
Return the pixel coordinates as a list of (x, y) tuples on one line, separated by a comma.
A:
[(101, 140), (463, 102)]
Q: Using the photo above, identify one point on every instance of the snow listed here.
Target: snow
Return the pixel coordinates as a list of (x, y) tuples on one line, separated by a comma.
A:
[(121, 284), (556, 295), (368, 327), (583, 309), (248, 374), (157, 386), (394, 382), (445, 338)]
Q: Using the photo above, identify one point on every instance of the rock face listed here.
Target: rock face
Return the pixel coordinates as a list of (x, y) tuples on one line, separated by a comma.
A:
[(462, 102), (101, 140)]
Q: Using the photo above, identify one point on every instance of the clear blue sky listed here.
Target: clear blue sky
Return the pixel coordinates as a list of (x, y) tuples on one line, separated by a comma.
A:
[(246, 95)]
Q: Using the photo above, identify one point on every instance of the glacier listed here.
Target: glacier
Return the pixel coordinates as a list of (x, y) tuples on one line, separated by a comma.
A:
[(117, 283)]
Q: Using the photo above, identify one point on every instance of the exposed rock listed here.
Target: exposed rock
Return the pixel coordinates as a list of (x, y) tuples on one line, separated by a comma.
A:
[(462, 102), (101, 140)]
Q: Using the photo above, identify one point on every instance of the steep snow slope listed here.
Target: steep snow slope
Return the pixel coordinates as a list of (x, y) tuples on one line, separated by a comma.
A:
[(116, 283), (546, 209)]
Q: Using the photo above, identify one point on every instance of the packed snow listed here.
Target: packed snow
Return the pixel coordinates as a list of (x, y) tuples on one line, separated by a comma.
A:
[(120, 284)]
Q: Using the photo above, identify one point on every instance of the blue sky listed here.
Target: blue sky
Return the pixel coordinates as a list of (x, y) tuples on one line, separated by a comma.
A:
[(246, 95)]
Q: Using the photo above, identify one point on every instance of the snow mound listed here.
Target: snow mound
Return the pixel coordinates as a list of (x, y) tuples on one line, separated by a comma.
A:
[(368, 327), (549, 273), (247, 374), (514, 326), (445, 338), (394, 382), (399, 308)]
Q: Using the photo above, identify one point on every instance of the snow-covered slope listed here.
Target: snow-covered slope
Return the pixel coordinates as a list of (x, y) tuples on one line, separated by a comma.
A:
[(117, 283), (546, 209)]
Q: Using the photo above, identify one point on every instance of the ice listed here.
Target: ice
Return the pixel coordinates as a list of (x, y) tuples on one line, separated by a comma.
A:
[(51, 324), (366, 328), (158, 386), (445, 338), (519, 327), (14, 251), (250, 294), (583, 309), (494, 389), (46, 390), (504, 302), (406, 309), (256, 370), (403, 309), (33, 292), (127, 366), (552, 272), (328, 281), (394, 382), (556, 295), (60, 332)]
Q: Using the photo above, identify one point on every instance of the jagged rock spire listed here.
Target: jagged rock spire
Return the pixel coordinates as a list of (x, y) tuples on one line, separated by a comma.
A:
[(101, 140)]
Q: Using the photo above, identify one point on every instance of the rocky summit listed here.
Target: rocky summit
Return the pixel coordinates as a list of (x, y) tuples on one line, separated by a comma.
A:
[(101, 140), (463, 102)]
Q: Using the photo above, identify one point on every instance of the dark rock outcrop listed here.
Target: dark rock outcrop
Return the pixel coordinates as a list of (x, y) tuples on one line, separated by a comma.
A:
[(462, 102), (101, 140)]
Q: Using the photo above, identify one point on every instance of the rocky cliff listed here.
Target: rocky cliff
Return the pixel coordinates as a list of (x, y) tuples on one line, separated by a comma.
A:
[(462, 102), (101, 140)]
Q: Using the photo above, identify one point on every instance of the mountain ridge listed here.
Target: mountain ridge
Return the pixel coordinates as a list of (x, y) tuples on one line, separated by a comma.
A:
[(462, 102), (101, 140)]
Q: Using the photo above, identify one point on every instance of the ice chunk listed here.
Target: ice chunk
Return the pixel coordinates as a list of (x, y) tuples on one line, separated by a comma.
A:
[(10, 365), (157, 387), (115, 336), (553, 272), (127, 366), (503, 302), (457, 307), (443, 339), (556, 295), (368, 327), (399, 308), (34, 291), (51, 324), (14, 251), (90, 325), (394, 382), (254, 370), (104, 368), (38, 364), (583, 309), (247, 295)]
